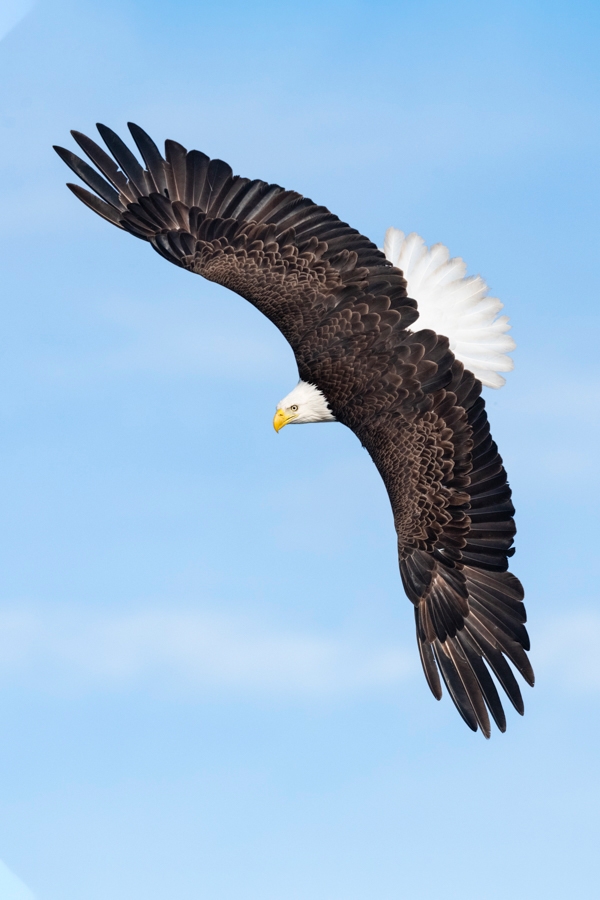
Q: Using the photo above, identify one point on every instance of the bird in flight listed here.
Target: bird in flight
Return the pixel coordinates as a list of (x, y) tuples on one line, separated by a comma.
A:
[(394, 344)]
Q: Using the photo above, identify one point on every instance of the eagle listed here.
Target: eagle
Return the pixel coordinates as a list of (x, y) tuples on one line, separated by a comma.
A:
[(404, 373)]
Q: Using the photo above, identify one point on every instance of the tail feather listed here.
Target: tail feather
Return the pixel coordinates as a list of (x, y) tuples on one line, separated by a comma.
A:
[(454, 305)]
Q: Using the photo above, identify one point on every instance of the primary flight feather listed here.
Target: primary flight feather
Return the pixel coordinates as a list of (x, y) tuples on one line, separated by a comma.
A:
[(404, 374)]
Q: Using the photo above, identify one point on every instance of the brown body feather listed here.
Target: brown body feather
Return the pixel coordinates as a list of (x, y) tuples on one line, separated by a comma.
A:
[(344, 309)]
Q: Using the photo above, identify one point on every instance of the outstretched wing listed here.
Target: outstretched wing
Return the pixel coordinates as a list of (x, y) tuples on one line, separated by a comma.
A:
[(454, 519), (292, 259), (419, 413), (343, 307)]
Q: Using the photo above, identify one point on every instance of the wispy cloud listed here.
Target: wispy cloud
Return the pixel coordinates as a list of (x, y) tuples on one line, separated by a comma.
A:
[(11, 887), (204, 653), (189, 652), (11, 13)]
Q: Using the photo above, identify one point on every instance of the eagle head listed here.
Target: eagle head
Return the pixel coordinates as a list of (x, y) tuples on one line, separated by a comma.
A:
[(306, 403)]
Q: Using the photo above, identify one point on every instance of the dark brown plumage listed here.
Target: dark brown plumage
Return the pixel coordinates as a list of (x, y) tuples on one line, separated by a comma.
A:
[(344, 309)]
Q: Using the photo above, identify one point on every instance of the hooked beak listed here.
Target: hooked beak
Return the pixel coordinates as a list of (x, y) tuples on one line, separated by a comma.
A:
[(281, 419)]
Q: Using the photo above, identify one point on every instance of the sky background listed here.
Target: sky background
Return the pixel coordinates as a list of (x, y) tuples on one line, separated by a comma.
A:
[(209, 684)]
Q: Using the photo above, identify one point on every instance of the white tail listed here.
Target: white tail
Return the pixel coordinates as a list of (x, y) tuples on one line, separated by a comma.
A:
[(453, 305)]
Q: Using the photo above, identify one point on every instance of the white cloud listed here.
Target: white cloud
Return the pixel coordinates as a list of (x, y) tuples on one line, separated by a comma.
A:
[(11, 887), (201, 654), (189, 651), (11, 13)]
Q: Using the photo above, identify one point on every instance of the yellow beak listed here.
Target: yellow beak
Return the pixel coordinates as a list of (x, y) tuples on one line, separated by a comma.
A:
[(281, 419)]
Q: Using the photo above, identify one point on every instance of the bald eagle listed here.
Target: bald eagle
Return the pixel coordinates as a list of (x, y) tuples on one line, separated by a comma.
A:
[(405, 375)]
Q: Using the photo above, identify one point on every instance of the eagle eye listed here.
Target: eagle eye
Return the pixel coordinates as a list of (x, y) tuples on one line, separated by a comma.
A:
[(294, 408)]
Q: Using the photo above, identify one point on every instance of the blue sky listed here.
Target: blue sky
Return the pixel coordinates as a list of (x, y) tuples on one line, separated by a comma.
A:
[(208, 681)]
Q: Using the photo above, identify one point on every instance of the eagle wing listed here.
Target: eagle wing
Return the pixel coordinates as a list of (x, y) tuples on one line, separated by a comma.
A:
[(344, 309), (454, 520)]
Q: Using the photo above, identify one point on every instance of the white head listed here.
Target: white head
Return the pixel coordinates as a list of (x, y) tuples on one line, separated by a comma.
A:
[(305, 403)]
